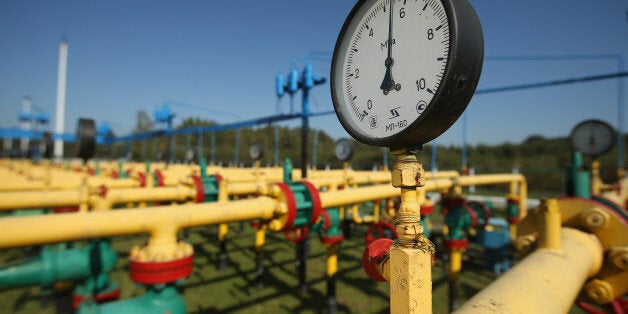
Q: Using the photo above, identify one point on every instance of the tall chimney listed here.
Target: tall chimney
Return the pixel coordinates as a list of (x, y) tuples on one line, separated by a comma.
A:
[(60, 112)]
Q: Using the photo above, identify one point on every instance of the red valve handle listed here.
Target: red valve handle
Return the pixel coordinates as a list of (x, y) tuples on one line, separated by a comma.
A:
[(296, 235), (375, 253), (381, 228)]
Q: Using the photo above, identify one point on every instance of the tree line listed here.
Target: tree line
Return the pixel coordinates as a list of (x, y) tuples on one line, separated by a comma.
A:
[(542, 160)]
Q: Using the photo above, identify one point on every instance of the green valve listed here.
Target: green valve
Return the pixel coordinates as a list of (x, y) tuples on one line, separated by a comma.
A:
[(287, 171), (458, 221), (578, 179), (55, 265), (157, 299), (304, 204), (211, 187)]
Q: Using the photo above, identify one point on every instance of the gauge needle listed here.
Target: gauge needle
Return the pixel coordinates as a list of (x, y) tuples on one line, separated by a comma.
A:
[(388, 83)]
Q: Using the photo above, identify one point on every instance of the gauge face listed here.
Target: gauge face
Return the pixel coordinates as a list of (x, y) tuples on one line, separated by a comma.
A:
[(344, 149), (256, 151), (593, 137), (189, 155), (397, 79)]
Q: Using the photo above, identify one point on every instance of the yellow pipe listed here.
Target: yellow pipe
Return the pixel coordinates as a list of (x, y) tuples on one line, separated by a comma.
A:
[(29, 199), (223, 230), (331, 261), (410, 257), (364, 194), (550, 224), (160, 194), (455, 263), (162, 220), (547, 281), (260, 237)]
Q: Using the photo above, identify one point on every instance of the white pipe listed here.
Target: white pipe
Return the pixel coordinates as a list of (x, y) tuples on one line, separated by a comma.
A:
[(26, 124), (60, 113)]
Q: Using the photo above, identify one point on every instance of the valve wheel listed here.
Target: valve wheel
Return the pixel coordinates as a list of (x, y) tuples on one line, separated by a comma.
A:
[(296, 235), (380, 230)]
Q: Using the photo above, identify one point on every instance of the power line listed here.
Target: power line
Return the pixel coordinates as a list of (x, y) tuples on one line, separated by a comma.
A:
[(553, 83)]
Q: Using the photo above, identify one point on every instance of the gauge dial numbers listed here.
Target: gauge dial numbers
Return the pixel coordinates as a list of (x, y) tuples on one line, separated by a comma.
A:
[(398, 76)]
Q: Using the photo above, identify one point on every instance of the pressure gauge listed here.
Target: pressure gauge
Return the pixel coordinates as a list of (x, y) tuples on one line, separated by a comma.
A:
[(593, 137), (256, 151), (189, 155), (403, 71), (344, 149)]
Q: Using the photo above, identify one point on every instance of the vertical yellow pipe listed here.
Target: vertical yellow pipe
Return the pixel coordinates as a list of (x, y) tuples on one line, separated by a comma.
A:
[(332, 261), (260, 237), (223, 197), (549, 233), (411, 257), (455, 263)]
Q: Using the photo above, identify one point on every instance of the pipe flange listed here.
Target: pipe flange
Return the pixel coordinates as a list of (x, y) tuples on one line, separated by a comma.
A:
[(316, 202), (150, 273), (286, 199), (460, 244), (200, 189)]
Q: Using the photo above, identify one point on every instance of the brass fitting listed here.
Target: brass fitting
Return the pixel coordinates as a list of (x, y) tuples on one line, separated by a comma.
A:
[(595, 219), (408, 172), (409, 229), (600, 291)]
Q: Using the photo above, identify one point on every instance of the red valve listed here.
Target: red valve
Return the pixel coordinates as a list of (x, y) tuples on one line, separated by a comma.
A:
[(102, 191), (142, 178), (473, 215), (457, 244), (381, 228), (618, 306), (374, 254), (427, 209), (59, 210), (160, 178), (296, 235), (485, 208), (200, 189)]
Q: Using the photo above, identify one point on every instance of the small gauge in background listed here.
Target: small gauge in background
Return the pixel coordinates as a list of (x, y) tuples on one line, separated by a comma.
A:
[(593, 137), (344, 149), (256, 151)]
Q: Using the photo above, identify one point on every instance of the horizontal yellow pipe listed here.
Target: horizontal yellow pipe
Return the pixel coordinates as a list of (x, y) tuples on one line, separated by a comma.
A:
[(353, 196), (159, 194), (547, 281), (36, 230), (39, 199)]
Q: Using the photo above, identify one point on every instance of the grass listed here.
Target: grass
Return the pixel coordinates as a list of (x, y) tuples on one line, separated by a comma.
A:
[(233, 290)]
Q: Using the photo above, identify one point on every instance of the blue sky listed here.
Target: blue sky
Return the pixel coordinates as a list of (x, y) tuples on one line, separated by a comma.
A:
[(126, 56)]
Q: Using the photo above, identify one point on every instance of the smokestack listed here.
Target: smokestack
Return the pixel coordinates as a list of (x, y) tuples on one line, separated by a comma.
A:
[(60, 112), (25, 123)]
